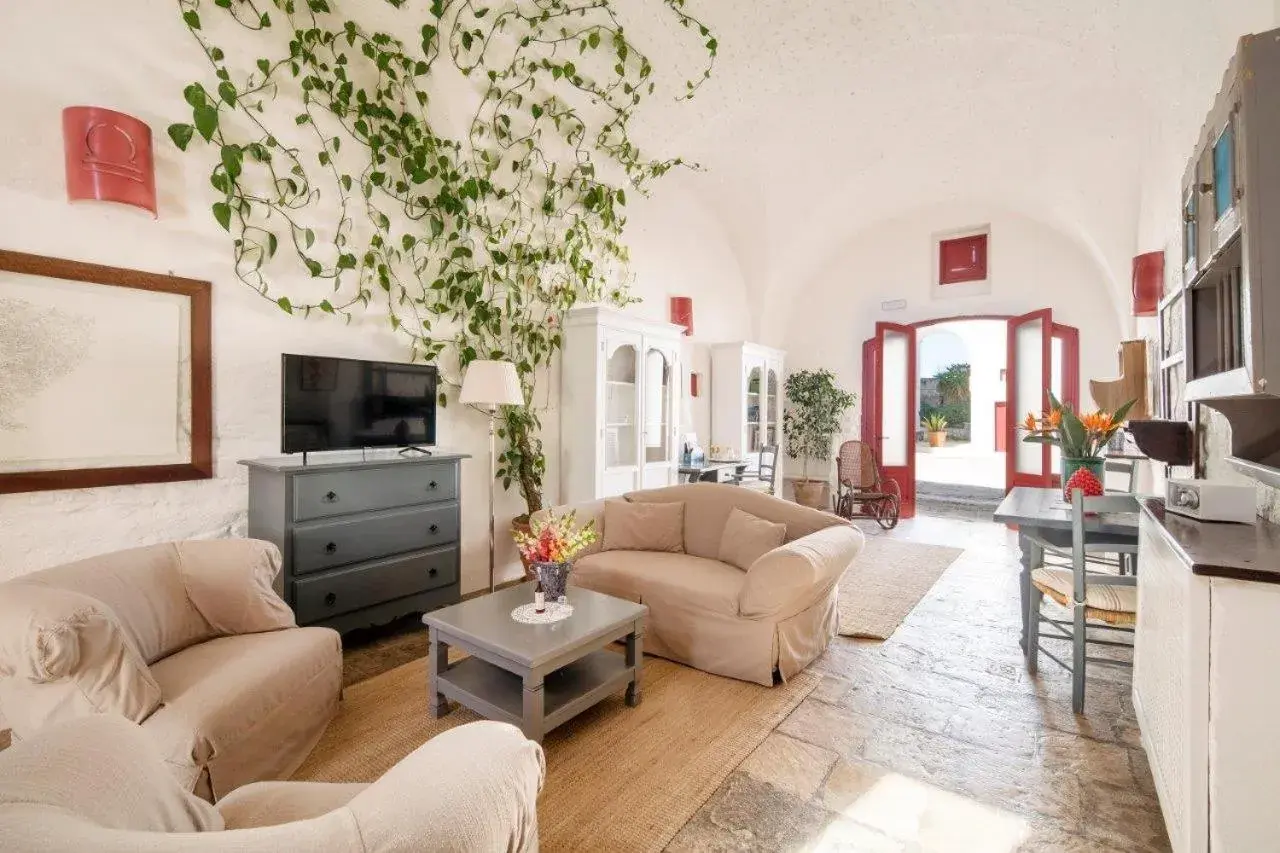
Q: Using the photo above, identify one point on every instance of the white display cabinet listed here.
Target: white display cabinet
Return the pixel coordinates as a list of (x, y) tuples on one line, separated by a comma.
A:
[(746, 398), (620, 404)]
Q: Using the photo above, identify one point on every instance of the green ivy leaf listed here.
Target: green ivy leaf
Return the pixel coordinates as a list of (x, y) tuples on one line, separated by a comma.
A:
[(227, 92), (232, 159), (191, 19), (326, 307), (264, 66), (181, 135), (313, 266), (272, 244), (309, 237), (206, 119), (222, 213), (285, 305)]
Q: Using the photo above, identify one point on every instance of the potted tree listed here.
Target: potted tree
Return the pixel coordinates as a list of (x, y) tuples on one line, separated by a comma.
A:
[(815, 407), (935, 426)]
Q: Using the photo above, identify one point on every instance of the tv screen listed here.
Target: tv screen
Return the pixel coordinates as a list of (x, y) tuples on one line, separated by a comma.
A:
[(345, 403)]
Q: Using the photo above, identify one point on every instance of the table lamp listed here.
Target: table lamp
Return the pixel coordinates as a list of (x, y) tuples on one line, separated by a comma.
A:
[(490, 384)]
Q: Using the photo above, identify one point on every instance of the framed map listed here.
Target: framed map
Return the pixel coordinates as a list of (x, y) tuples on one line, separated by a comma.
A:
[(106, 376)]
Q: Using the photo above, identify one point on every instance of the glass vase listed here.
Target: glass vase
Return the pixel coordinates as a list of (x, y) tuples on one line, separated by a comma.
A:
[(1071, 464), (554, 577)]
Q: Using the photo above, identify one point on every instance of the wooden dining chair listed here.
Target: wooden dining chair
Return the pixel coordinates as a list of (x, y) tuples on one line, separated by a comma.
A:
[(1095, 600)]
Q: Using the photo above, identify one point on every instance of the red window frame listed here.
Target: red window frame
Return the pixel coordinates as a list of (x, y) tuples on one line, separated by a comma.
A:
[(962, 259)]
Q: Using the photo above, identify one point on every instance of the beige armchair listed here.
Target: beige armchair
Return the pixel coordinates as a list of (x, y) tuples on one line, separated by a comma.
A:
[(187, 639), (98, 783), (770, 618)]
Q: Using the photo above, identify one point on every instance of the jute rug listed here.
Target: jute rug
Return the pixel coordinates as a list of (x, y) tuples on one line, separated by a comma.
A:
[(618, 778), (886, 582)]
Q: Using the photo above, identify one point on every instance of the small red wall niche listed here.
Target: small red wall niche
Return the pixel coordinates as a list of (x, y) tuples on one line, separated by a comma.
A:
[(1148, 283), (108, 157), (962, 259), (682, 313)]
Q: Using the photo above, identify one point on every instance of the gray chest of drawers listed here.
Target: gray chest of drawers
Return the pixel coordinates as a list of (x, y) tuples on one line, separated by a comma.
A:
[(364, 542)]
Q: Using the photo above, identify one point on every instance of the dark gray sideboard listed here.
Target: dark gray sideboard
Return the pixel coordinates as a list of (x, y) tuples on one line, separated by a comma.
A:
[(364, 542)]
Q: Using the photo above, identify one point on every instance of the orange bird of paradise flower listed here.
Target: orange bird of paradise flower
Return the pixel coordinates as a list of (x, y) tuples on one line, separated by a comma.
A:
[(1030, 423), (1096, 422)]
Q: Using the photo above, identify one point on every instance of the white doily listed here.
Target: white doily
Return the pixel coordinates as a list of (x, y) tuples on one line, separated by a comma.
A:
[(527, 615)]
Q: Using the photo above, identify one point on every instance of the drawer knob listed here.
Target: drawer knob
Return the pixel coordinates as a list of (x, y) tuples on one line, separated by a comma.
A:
[(434, 528), (331, 547), (431, 573), (432, 485), (330, 497), (331, 599)]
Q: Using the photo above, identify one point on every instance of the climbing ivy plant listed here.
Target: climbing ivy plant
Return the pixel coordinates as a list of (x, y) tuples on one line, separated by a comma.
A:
[(332, 157)]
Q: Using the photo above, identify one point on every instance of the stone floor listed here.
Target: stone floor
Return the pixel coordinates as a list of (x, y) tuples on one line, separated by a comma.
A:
[(938, 740)]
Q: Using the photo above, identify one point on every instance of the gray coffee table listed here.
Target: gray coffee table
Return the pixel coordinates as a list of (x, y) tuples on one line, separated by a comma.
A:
[(534, 676)]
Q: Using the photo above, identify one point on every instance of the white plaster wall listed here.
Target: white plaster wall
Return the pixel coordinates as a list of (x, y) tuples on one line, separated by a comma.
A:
[(1031, 266), (141, 71)]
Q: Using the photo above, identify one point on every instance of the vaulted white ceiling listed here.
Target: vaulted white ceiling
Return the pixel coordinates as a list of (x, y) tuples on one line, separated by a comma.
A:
[(825, 117)]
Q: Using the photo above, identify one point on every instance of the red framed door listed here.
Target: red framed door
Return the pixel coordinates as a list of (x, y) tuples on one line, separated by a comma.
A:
[(1028, 380), (1065, 383), (895, 415), (871, 392)]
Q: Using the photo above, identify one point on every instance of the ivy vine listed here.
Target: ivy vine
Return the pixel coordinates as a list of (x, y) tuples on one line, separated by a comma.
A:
[(472, 247)]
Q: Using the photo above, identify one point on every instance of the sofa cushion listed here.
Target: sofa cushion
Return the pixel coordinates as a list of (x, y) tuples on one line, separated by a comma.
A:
[(748, 537), (247, 707), (707, 507), (64, 655), (643, 527), (646, 575), (100, 769)]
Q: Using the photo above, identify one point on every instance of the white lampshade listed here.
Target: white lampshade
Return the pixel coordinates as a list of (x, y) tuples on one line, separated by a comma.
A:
[(491, 383)]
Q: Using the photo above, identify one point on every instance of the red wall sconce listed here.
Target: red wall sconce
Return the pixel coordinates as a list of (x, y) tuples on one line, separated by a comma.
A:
[(108, 157), (682, 313), (1148, 283), (695, 382)]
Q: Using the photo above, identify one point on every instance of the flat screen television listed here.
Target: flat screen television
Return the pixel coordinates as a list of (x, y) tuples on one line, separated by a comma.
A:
[(346, 403)]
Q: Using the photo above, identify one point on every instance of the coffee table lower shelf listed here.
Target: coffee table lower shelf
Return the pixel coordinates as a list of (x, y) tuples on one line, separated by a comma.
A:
[(497, 694)]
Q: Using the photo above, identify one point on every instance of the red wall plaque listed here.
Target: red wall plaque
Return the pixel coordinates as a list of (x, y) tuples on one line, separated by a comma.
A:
[(108, 157), (1148, 283), (962, 259), (682, 312)]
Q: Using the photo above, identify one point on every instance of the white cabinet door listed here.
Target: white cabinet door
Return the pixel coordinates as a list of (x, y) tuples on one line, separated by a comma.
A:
[(620, 430), (756, 406), (660, 393)]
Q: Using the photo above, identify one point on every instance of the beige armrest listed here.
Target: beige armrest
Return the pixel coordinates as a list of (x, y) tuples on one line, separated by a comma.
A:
[(64, 655), (471, 788), (230, 582), (790, 577)]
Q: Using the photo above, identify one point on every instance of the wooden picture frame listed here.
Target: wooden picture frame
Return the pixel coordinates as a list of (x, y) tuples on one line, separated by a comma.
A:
[(186, 326)]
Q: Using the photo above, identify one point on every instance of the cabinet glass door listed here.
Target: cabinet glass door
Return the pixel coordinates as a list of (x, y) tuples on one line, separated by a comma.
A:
[(755, 401), (773, 411), (657, 406), (621, 405)]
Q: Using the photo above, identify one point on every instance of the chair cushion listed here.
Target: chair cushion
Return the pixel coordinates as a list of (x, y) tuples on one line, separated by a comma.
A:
[(1117, 599), (247, 707), (642, 575), (748, 537), (643, 526)]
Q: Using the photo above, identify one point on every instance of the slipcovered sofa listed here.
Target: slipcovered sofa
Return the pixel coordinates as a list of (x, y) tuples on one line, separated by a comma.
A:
[(187, 639), (98, 783), (773, 616)]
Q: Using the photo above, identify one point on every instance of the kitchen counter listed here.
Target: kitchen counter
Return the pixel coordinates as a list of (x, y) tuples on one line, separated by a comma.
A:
[(1248, 552)]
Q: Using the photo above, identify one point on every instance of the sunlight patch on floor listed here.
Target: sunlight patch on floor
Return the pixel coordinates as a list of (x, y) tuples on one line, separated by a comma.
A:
[(897, 812)]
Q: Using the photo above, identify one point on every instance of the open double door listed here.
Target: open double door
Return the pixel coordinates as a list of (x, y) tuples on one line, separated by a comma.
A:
[(1042, 355)]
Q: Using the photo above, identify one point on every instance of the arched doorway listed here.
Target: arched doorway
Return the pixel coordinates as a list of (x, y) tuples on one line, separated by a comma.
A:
[(1039, 355)]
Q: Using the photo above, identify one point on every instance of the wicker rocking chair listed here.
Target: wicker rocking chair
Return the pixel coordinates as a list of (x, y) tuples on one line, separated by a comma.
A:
[(862, 491)]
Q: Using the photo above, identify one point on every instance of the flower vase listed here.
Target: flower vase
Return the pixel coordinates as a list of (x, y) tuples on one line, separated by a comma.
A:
[(554, 577), (1070, 465)]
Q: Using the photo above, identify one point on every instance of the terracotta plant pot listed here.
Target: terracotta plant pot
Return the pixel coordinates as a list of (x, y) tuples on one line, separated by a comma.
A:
[(813, 493), (938, 439), (522, 526)]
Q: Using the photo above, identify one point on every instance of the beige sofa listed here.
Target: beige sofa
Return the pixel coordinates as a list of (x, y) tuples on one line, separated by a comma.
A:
[(189, 640), (98, 783), (775, 617)]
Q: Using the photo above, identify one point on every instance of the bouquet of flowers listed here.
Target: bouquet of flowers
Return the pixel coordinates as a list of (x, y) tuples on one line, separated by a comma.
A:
[(1079, 436), (555, 539)]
